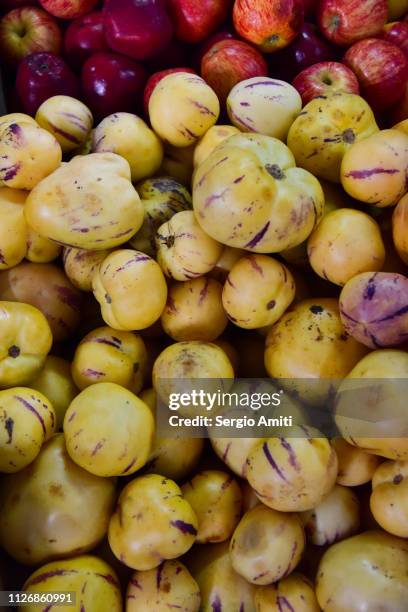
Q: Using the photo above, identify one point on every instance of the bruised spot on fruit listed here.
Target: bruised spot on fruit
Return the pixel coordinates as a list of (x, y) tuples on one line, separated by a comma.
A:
[(185, 528), (271, 305), (13, 351), (56, 490), (398, 479), (108, 298), (9, 424), (275, 171)]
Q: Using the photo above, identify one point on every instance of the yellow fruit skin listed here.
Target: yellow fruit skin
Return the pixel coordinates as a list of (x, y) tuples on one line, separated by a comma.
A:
[(402, 125), (372, 565), (182, 108), (388, 501), (40, 249), (108, 430), (43, 505), (109, 355), (248, 194), (93, 581), (325, 130), (80, 266), (27, 419), (356, 467), (184, 250), (216, 499), (55, 382), (174, 457), (263, 105), (211, 139), (219, 584), (345, 243), (295, 590), (178, 163), (302, 472), (67, 119), (152, 523), (28, 154), (384, 364), (13, 228), (257, 291), (131, 289), (162, 197), (129, 136), (266, 545), (78, 205), (25, 340), (374, 169), (169, 586), (400, 228), (194, 310)]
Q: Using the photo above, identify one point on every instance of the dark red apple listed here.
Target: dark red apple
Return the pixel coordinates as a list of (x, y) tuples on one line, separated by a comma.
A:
[(137, 28), (112, 83), (228, 62), (154, 79), (269, 24), (173, 55), (41, 76), (195, 20), (397, 34), (68, 9), (381, 69), (344, 22), (399, 112), (28, 30), (310, 8), (325, 78), (9, 5), (83, 37), (307, 49)]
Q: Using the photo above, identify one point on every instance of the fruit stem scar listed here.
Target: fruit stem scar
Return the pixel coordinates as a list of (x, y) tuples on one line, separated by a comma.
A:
[(275, 171), (14, 351)]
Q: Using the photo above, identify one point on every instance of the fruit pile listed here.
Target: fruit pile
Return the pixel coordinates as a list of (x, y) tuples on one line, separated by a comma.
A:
[(190, 191)]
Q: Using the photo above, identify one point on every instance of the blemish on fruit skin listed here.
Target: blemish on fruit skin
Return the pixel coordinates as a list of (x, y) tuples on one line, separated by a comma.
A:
[(136, 584), (216, 604), (363, 174), (185, 528), (9, 425), (7, 174), (94, 373), (315, 309), (46, 575), (239, 179), (272, 462), (258, 237), (31, 409)]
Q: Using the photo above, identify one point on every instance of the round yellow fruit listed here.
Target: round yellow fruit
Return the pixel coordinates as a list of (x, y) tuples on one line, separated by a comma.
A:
[(67, 119), (13, 228)]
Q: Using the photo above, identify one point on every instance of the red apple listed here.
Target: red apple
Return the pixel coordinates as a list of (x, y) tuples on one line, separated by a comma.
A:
[(347, 21), (396, 33), (307, 49), (201, 50), (41, 76), (137, 28), (381, 69), (154, 80), (173, 55), (399, 112), (9, 5), (228, 62), (195, 20), (68, 9), (310, 8), (112, 83), (325, 78), (28, 30), (83, 37), (269, 24)]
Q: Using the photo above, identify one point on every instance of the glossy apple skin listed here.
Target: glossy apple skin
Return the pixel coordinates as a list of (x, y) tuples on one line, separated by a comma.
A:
[(381, 69), (195, 20), (41, 33), (307, 49), (112, 83), (228, 62), (41, 76), (269, 24), (154, 79), (68, 9), (200, 50), (137, 28), (324, 79), (396, 33), (83, 37), (346, 21)]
